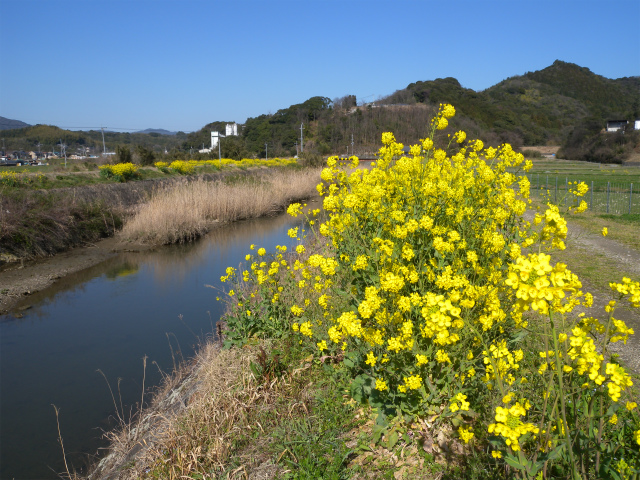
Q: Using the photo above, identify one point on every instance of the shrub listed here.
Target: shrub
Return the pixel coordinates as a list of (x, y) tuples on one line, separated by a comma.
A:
[(532, 154), (309, 159), (182, 167), (145, 156), (120, 172), (123, 154), (18, 179), (162, 166)]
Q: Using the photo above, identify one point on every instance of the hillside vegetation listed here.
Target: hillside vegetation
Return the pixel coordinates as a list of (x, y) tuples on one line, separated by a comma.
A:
[(538, 107)]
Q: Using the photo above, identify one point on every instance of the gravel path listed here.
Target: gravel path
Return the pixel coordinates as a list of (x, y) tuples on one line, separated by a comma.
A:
[(626, 260)]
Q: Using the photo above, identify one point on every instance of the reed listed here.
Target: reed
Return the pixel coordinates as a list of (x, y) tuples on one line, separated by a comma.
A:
[(180, 213)]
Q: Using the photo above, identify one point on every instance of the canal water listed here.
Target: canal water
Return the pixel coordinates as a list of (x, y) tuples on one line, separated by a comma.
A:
[(91, 331)]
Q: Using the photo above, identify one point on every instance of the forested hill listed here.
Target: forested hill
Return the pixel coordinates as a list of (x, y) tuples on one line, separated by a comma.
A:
[(537, 107)]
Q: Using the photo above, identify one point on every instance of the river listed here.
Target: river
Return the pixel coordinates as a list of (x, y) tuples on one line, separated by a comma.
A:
[(90, 332)]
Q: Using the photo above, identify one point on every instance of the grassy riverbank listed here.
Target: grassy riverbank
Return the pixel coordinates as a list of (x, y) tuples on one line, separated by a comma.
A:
[(250, 408), (37, 222)]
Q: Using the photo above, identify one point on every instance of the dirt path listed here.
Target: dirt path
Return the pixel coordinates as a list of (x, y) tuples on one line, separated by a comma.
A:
[(583, 247), (626, 258)]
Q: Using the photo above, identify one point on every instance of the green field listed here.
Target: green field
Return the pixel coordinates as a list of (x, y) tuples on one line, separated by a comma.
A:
[(584, 171), (613, 189)]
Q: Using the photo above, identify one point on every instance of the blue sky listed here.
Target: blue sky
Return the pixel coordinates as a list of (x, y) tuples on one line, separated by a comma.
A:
[(180, 64)]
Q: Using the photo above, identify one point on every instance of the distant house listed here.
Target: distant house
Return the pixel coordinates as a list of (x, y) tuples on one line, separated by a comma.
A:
[(636, 125), (616, 125)]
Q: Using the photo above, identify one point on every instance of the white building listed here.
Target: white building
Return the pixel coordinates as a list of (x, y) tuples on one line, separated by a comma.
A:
[(615, 125), (231, 130)]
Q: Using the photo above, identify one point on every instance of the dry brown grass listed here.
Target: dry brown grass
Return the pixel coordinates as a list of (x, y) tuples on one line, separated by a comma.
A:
[(184, 212), (217, 403)]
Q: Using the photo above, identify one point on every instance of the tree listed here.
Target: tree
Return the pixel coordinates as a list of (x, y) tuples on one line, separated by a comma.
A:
[(144, 155), (123, 154), (233, 147)]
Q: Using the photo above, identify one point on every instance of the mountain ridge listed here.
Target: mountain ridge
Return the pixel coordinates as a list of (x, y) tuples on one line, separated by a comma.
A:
[(10, 124)]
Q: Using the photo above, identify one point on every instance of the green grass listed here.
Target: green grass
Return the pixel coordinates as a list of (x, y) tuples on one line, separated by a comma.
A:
[(78, 174), (314, 431), (604, 195), (621, 228), (629, 219), (584, 171), (598, 271), (303, 432), (311, 444)]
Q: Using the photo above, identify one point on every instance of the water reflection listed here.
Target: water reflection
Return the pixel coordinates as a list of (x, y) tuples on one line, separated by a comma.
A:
[(108, 318)]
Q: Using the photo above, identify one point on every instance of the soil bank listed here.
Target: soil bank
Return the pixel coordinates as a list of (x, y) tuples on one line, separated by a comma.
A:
[(19, 280)]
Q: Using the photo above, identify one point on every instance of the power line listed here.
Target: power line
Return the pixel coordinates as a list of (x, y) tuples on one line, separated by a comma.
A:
[(113, 129)]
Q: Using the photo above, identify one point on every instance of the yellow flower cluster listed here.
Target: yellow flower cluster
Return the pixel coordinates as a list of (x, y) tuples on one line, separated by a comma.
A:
[(629, 290), (465, 434), (187, 167), (13, 179), (501, 363), (509, 425), (541, 286), (120, 171), (180, 166), (459, 402)]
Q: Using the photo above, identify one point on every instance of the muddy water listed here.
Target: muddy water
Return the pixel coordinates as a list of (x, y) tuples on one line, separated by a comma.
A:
[(105, 320)]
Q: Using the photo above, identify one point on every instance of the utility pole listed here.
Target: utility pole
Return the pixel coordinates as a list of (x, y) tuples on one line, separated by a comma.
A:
[(266, 151), (296, 148), (219, 142), (301, 139), (63, 148), (104, 145), (352, 152)]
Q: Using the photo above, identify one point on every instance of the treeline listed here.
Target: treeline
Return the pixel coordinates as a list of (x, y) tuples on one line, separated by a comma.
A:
[(47, 138), (323, 126), (553, 106)]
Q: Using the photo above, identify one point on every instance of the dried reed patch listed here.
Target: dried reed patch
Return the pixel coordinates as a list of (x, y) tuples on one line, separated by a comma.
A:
[(186, 211)]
